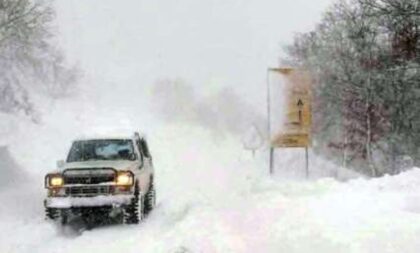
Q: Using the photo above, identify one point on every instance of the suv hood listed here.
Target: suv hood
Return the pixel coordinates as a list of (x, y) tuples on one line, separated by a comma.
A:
[(118, 165)]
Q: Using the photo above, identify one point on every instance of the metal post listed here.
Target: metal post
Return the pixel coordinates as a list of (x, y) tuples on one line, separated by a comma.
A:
[(268, 105), (307, 162), (271, 160)]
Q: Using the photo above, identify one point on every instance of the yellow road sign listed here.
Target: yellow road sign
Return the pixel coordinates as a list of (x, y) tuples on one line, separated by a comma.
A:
[(296, 127), (291, 140)]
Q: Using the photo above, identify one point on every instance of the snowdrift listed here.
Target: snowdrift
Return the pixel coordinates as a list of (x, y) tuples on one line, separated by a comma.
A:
[(10, 171), (212, 195)]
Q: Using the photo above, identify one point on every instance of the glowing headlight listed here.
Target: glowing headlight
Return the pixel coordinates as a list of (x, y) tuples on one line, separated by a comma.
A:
[(54, 180), (125, 178)]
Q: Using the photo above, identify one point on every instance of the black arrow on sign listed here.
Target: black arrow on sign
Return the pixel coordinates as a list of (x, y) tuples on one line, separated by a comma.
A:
[(300, 105)]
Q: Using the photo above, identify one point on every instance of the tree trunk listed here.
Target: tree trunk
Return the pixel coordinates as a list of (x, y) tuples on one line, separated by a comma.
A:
[(369, 130)]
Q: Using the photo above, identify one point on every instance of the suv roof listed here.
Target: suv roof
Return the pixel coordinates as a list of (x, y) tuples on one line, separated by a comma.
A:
[(117, 135)]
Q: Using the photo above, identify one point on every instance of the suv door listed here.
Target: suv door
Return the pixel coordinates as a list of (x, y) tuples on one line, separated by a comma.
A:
[(146, 152), (146, 168)]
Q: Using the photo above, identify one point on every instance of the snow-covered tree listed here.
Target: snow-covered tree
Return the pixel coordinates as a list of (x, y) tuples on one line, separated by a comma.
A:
[(365, 57), (28, 59)]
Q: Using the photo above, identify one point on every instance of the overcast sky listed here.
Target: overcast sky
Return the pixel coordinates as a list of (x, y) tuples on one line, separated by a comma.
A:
[(209, 43)]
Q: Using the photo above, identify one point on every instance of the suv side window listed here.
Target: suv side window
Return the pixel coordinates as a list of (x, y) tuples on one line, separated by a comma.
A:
[(140, 151), (144, 148)]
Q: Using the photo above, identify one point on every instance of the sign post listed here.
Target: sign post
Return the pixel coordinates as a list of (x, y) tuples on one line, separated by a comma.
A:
[(307, 162), (296, 125)]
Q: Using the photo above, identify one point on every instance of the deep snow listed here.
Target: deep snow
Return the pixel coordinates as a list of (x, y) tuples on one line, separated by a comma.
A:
[(212, 197)]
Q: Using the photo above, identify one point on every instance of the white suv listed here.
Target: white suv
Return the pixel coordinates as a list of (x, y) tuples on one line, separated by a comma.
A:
[(103, 177)]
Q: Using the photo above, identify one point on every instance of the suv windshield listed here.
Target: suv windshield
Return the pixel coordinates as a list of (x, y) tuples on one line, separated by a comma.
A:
[(101, 150)]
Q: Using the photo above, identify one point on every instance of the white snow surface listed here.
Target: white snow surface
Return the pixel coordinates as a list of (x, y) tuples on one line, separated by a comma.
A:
[(212, 197)]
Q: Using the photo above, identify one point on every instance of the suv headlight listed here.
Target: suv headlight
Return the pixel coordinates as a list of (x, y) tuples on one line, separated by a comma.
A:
[(125, 178), (54, 181)]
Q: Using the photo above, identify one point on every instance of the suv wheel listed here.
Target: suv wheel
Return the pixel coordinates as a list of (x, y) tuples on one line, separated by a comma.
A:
[(52, 213), (134, 212), (150, 199)]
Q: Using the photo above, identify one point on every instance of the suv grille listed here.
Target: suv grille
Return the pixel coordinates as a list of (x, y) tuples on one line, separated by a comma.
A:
[(89, 179), (89, 176), (89, 190), (87, 182)]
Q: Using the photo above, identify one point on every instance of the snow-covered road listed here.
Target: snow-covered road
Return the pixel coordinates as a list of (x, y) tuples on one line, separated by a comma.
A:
[(212, 197), (244, 212)]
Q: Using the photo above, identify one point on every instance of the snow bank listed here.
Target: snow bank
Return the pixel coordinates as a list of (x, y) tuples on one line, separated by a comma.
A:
[(290, 164), (10, 171), (213, 196)]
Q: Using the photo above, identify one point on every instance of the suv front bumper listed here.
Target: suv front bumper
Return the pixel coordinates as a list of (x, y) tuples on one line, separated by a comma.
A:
[(101, 200)]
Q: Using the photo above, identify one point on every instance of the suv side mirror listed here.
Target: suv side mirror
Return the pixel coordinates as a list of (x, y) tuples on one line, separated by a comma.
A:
[(60, 163), (132, 157)]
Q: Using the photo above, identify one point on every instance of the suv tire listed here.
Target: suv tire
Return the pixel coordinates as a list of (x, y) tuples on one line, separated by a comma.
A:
[(134, 212), (150, 199), (52, 213)]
